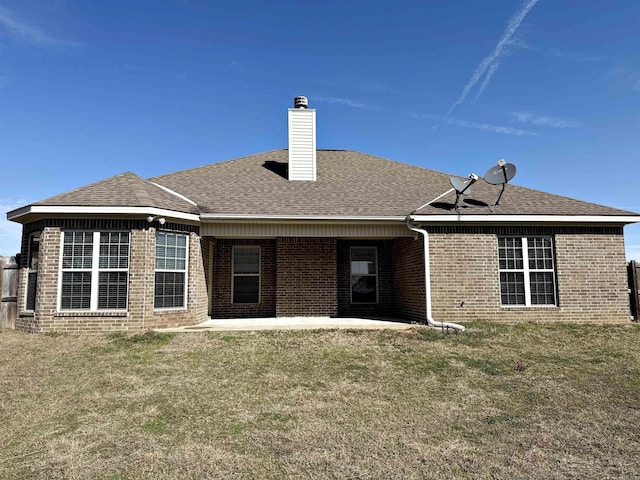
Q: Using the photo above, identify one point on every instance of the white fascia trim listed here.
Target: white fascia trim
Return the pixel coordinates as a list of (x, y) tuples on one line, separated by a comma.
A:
[(86, 210), (348, 218), (175, 193), (527, 218)]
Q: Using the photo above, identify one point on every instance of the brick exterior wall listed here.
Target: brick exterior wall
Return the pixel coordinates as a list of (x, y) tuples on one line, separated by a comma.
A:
[(140, 314), (310, 277), (385, 306), (306, 277), (408, 279), (207, 245), (222, 305), (590, 266)]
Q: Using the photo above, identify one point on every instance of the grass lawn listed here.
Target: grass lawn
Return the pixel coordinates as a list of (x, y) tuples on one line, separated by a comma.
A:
[(505, 402)]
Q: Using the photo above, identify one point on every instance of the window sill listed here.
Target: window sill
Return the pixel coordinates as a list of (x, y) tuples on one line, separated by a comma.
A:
[(27, 313), (80, 313), (170, 310), (530, 307)]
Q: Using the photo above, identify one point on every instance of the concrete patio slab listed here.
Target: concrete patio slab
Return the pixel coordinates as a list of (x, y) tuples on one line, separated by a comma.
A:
[(290, 323)]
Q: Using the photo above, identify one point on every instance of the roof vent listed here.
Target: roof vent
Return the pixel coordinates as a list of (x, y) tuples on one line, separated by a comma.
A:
[(300, 102)]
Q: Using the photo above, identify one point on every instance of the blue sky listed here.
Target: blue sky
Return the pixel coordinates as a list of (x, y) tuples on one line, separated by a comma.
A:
[(92, 89)]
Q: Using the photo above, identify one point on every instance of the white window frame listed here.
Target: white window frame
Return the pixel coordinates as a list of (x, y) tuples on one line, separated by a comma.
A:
[(234, 275), (377, 275), (174, 270), (95, 273), (30, 270), (526, 271)]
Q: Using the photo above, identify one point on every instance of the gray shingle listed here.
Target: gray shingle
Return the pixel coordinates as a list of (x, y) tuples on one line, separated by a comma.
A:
[(124, 190), (352, 184)]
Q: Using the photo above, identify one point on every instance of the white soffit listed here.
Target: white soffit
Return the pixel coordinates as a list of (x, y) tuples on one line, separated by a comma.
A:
[(305, 229)]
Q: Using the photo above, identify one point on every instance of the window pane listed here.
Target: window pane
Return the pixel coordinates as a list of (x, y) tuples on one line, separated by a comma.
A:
[(76, 291), (169, 290), (34, 251), (363, 260), (246, 289), (512, 288), (112, 290), (77, 250), (171, 251), (543, 290), (510, 253), (540, 253), (246, 260), (114, 250), (363, 289), (32, 283)]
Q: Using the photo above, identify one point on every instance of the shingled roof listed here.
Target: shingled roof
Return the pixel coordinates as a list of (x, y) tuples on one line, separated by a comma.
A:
[(124, 190), (350, 183)]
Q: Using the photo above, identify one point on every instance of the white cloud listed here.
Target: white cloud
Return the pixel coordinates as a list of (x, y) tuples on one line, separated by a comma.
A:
[(475, 125), (10, 232), (490, 73), (544, 120), (15, 27), (566, 55), (487, 64), (347, 102), (626, 78)]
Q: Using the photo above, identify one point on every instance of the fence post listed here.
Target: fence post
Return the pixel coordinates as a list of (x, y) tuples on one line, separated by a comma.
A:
[(9, 287), (634, 289)]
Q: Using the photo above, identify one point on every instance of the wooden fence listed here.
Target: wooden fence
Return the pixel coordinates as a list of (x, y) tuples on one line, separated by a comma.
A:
[(634, 288), (9, 287)]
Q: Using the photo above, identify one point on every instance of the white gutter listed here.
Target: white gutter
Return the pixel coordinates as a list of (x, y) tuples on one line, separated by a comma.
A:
[(427, 282), (345, 218), (527, 218)]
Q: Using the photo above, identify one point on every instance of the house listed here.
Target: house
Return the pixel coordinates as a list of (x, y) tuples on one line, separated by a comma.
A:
[(307, 232)]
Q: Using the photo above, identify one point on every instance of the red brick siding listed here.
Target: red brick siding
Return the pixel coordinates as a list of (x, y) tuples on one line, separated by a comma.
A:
[(408, 279), (384, 307), (306, 277), (221, 302)]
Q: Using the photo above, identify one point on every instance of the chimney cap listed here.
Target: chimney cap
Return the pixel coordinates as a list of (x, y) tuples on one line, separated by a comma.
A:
[(300, 102)]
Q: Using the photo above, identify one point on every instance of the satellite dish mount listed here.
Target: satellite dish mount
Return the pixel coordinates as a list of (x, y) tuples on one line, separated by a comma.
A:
[(500, 175), (462, 187)]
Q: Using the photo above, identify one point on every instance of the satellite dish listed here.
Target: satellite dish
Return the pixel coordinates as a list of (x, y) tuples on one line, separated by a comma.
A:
[(462, 187), (500, 175)]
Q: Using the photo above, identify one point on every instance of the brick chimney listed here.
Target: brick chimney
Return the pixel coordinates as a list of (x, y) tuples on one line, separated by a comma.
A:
[(302, 141)]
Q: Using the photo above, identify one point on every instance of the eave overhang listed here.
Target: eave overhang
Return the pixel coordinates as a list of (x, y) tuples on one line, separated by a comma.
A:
[(527, 219), (223, 217), (33, 213)]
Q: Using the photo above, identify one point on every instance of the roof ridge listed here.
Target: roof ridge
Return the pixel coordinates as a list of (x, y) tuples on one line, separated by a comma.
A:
[(139, 189), (215, 163)]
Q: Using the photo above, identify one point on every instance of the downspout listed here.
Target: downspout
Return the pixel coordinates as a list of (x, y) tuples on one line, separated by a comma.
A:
[(427, 282)]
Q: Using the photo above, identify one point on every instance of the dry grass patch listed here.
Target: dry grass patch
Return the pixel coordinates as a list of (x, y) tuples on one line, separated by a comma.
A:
[(525, 401)]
